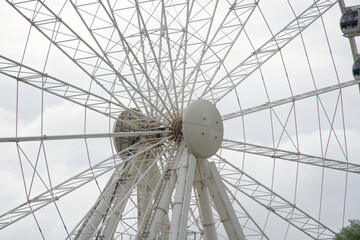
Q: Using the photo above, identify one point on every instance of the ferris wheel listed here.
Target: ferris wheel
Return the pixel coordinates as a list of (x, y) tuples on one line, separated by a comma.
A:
[(178, 119)]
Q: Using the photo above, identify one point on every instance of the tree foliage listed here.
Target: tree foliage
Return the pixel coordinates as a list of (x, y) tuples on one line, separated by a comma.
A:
[(350, 232)]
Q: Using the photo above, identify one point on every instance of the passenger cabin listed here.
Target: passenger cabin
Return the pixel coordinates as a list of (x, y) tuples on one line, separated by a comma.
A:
[(356, 69), (350, 22)]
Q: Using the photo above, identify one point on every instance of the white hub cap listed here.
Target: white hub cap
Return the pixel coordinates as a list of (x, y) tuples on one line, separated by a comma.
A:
[(203, 128)]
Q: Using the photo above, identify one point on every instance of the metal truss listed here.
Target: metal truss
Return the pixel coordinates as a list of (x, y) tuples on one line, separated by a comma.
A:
[(278, 205), (212, 45), (293, 99), (256, 231), (107, 212), (95, 63), (216, 48), (219, 89), (59, 88), (160, 198), (150, 61), (290, 156), (73, 183), (105, 21)]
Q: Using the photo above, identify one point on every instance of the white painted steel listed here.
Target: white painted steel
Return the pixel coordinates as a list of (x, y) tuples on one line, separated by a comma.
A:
[(68, 186), (205, 208), (157, 221), (82, 136), (203, 128), (162, 66), (161, 210), (291, 156), (280, 206), (243, 70), (276, 103), (181, 204), (102, 205), (221, 200), (119, 206)]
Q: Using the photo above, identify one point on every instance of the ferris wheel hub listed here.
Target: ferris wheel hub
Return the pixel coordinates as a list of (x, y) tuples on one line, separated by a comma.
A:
[(177, 129), (203, 128)]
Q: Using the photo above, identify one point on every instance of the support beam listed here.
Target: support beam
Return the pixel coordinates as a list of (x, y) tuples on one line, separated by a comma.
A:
[(205, 209), (221, 200), (135, 179), (119, 206), (66, 187), (154, 217), (161, 209), (146, 188), (180, 210), (148, 184), (166, 184), (116, 184)]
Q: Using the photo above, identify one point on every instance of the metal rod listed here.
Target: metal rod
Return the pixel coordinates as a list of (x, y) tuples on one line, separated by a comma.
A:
[(82, 136)]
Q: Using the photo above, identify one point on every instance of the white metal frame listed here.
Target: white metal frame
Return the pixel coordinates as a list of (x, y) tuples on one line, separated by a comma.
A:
[(169, 187)]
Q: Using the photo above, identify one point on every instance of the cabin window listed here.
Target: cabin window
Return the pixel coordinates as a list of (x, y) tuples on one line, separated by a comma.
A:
[(350, 19)]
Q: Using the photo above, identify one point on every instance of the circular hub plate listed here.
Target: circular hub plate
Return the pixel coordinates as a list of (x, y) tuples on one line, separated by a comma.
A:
[(203, 128)]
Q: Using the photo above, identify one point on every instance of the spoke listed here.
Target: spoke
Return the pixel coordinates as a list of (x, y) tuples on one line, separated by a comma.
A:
[(99, 25), (295, 98), (278, 205), (166, 27), (230, 81), (72, 184), (297, 157), (148, 60), (205, 44), (83, 55), (99, 31), (224, 38), (84, 136), (155, 58), (63, 89), (185, 52), (67, 40)]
